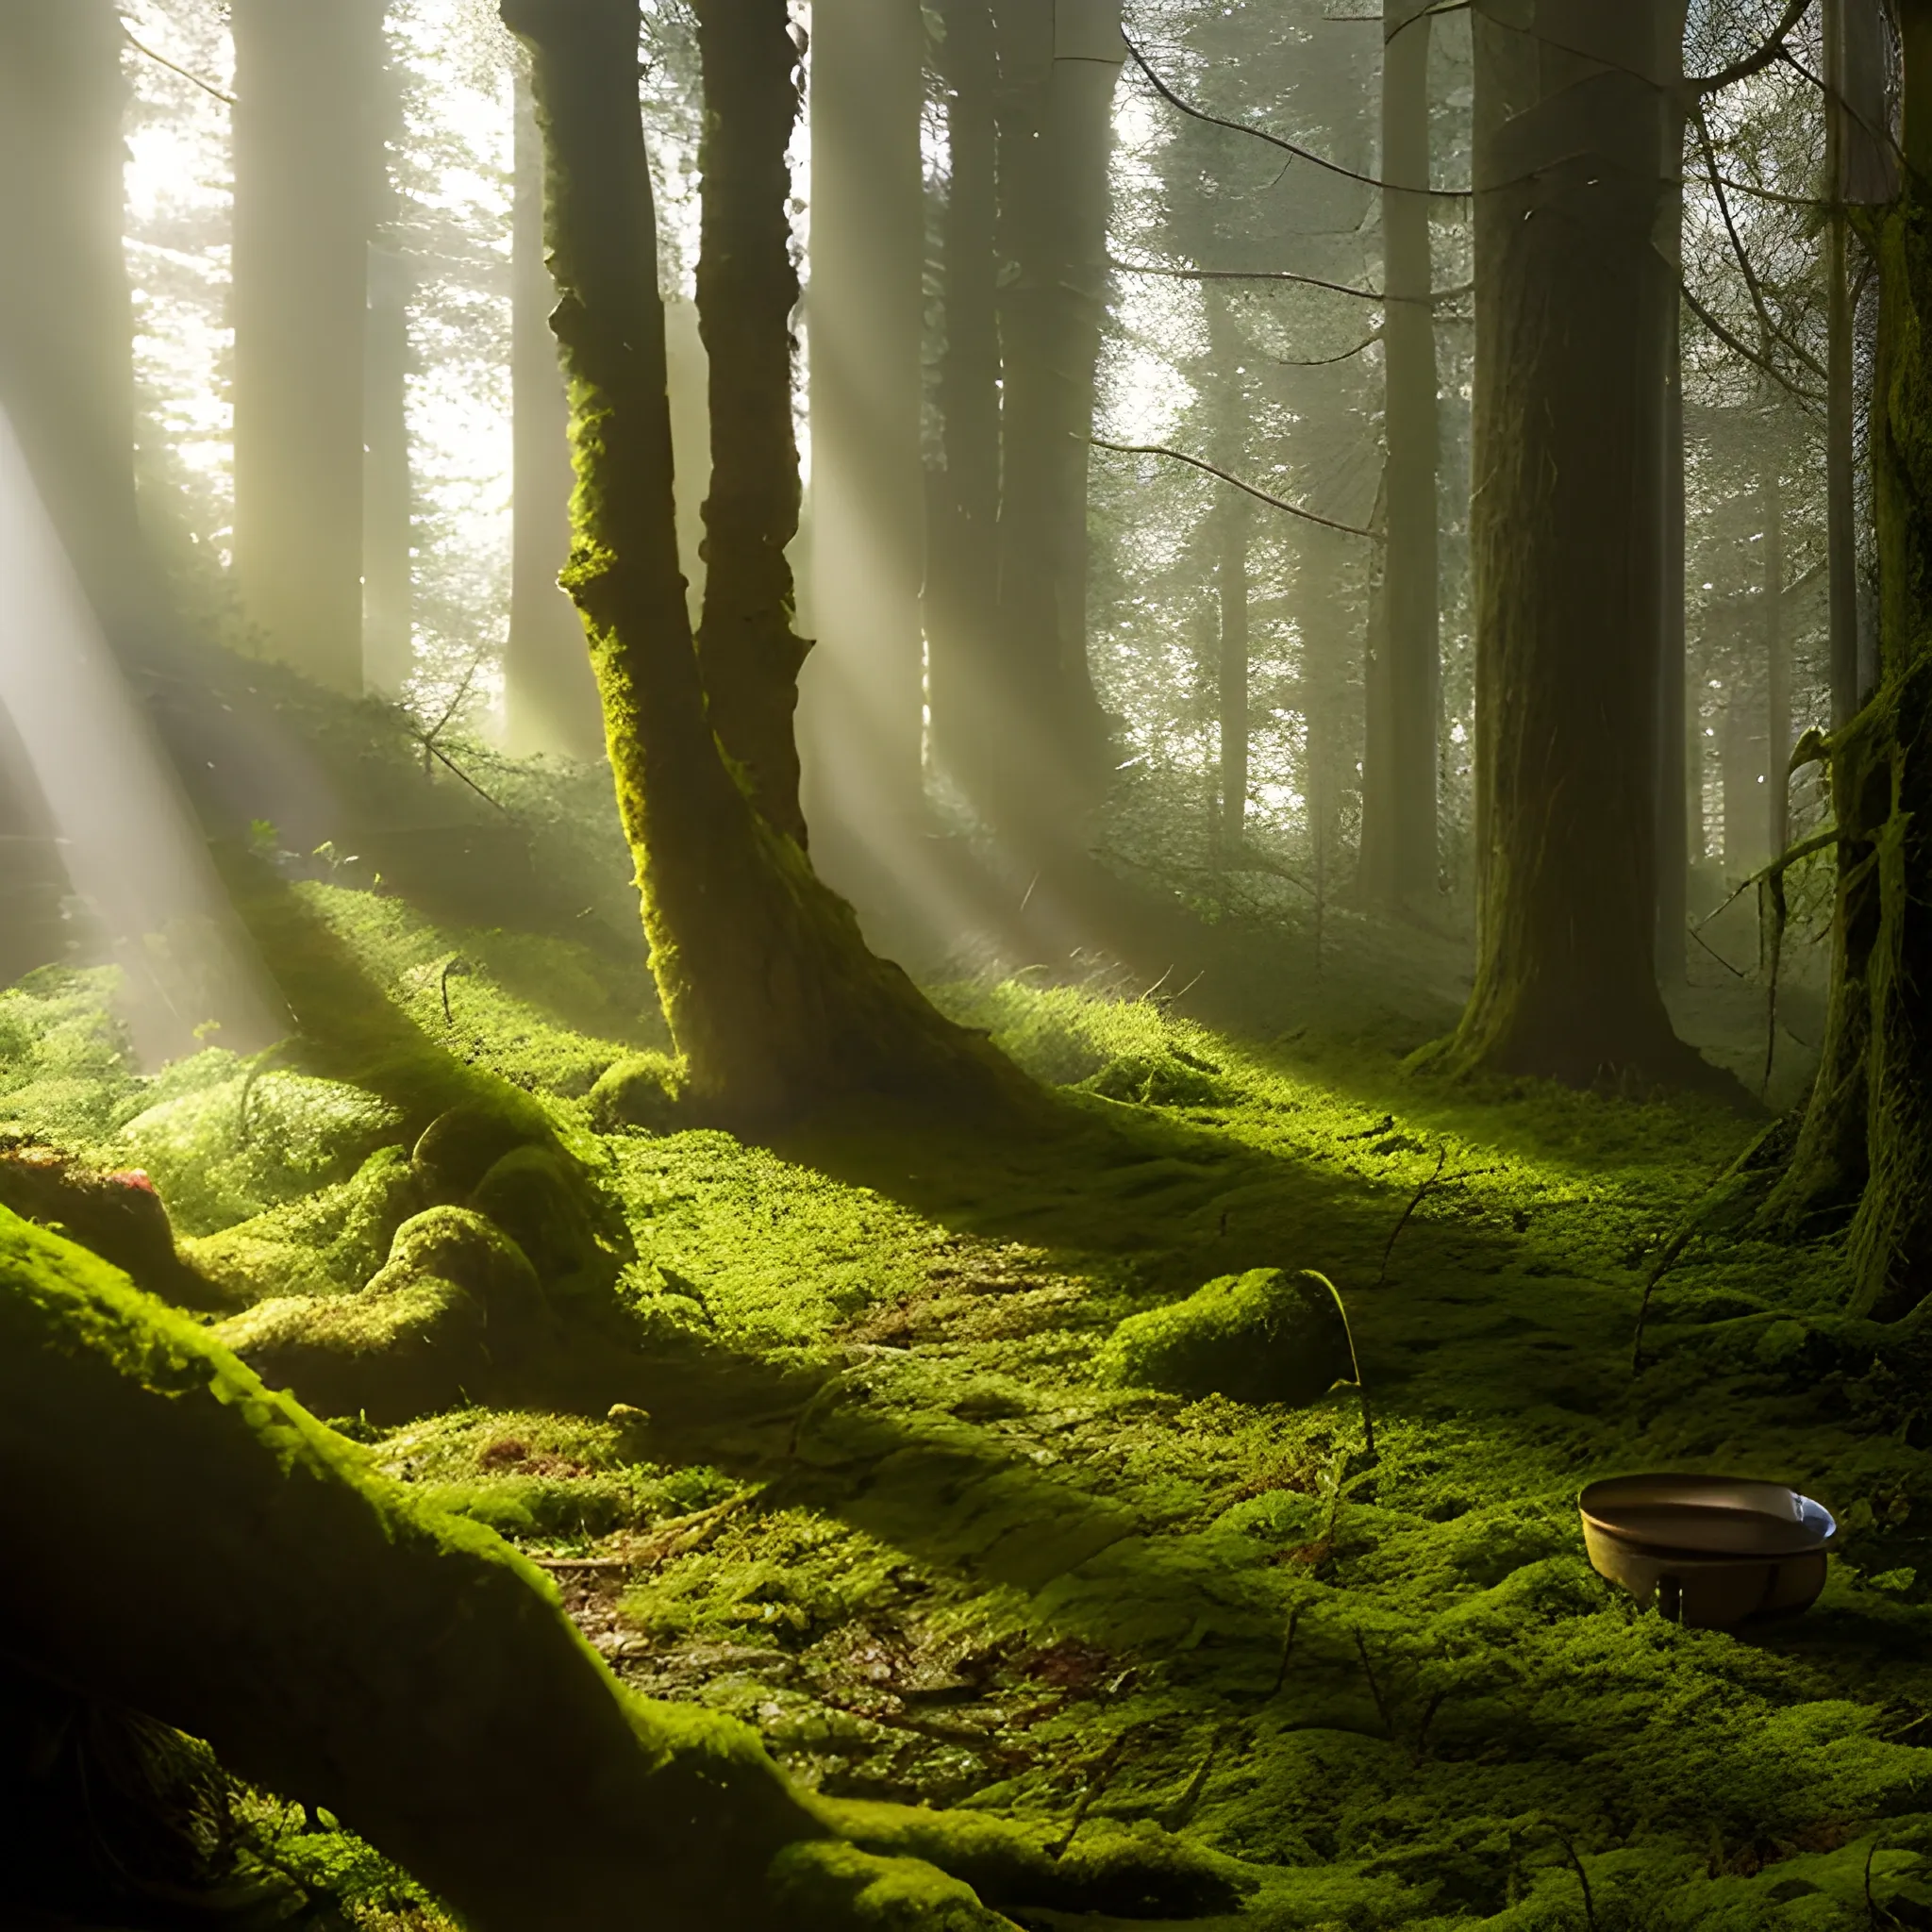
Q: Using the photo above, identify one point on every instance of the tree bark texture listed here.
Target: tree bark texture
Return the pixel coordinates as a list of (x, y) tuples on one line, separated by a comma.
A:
[(772, 996), (1059, 66), (864, 689), (1865, 1141), (549, 696), (963, 486), (1399, 800), (1575, 157), (308, 162), (747, 288), (66, 323)]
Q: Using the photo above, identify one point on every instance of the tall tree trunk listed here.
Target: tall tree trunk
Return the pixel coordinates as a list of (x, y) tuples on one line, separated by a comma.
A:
[(1777, 661), (307, 159), (66, 324), (1399, 864), (864, 700), (1059, 66), (1841, 540), (1575, 161), (772, 996), (549, 696), (1866, 1137), (963, 488), (1233, 524), (748, 652), (387, 654), (1231, 669), (1673, 723)]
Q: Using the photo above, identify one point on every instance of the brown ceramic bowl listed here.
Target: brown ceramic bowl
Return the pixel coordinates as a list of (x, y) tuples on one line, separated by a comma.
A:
[(1715, 1551)]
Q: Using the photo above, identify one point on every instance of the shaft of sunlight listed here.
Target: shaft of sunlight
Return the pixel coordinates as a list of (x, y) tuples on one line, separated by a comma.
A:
[(133, 853)]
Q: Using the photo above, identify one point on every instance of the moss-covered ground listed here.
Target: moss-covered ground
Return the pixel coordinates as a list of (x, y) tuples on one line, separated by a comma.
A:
[(970, 1572)]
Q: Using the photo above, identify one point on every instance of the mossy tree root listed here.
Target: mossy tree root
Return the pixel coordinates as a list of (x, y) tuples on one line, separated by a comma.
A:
[(404, 1669)]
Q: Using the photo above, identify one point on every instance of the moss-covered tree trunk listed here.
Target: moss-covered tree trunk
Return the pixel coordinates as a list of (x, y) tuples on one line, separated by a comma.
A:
[(1865, 1141), (399, 1667), (747, 288), (771, 993), (1574, 160)]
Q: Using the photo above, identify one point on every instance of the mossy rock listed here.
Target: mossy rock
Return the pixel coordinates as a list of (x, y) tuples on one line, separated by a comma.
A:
[(640, 1092), (456, 1309), (1265, 1336)]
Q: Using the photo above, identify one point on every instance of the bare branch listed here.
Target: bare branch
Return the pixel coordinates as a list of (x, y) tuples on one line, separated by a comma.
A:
[(1773, 332), (1177, 456), (206, 87), (1774, 49), (1750, 355), (1173, 100), (1231, 275)]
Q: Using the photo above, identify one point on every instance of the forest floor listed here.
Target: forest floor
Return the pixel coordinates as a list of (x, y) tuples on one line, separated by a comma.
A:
[(1391, 1691)]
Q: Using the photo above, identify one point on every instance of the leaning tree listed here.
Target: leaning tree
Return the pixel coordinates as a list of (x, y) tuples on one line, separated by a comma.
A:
[(773, 998)]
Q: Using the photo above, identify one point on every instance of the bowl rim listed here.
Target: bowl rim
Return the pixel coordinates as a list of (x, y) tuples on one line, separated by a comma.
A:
[(1808, 1538)]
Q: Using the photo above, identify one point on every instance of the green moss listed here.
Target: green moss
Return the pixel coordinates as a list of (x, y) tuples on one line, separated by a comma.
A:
[(1265, 1336)]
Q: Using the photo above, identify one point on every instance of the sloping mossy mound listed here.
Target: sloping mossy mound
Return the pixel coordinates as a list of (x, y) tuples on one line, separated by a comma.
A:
[(1265, 1336)]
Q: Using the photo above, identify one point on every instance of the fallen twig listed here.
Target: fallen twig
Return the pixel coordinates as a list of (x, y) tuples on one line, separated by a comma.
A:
[(1375, 1686), (1415, 1201), (1096, 1784)]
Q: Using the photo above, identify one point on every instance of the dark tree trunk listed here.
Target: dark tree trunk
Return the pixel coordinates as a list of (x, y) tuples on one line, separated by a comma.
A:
[(772, 996), (308, 155), (1059, 65), (1673, 703), (1866, 1137), (963, 489), (1777, 662), (1575, 161), (1399, 788), (864, 691), (549, 694), (66, 325), (748, 652)]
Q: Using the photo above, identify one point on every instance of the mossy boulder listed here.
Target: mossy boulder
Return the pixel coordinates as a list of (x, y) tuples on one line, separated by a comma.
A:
[(459, 1147), (639, 1091), (1265, 1336), (456, 1311)]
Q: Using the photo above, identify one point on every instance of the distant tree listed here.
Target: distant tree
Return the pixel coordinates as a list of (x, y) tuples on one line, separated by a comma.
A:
[(307, 157), (66, 327), (550, 699), (772, 996), (865, 313), (1059, 68)]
